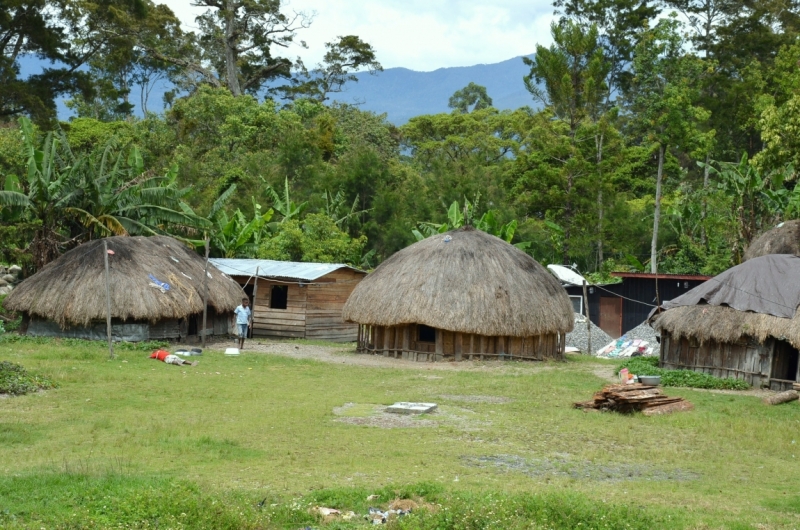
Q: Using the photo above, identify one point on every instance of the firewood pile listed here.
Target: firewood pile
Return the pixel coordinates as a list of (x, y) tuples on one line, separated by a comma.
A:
[(632, 398)]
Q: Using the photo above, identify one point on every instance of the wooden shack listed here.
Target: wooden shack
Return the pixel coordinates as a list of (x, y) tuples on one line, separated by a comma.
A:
[(461, 295), (743, 323), (617, 308), (296, 300)]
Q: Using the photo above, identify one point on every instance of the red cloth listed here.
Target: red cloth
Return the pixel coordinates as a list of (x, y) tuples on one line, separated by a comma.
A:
[(159, 354)]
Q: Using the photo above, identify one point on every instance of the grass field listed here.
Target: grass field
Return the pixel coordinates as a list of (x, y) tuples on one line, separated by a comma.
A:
[(252, 441)]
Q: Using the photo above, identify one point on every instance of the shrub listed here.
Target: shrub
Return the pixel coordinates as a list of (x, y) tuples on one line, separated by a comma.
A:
[(15, 380), (685, 378)]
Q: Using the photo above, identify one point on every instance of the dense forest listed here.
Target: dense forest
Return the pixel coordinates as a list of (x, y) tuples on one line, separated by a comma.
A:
[(661, 136)]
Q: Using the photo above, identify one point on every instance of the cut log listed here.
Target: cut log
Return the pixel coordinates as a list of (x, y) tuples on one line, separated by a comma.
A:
[(782, 397)]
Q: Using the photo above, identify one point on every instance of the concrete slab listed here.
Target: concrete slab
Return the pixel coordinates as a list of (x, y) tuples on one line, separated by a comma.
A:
[(405, 407)]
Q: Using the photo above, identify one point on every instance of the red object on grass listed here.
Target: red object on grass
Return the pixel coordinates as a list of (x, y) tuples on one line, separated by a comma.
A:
[(159, 354)]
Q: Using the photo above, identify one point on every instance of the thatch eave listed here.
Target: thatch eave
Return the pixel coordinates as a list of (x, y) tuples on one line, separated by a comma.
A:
[(707, 323)]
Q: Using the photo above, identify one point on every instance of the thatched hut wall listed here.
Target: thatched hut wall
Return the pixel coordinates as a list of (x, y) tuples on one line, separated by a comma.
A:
[(68, 296), (469, 294), (403, 342)]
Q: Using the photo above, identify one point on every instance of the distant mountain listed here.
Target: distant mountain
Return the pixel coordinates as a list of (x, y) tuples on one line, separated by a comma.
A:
[(399, 92), (402, 93)]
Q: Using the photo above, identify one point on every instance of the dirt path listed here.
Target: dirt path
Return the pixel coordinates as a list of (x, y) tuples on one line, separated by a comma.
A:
[(345, 354)]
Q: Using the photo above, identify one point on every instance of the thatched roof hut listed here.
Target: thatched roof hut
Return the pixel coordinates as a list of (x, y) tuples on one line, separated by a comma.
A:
[(71, 291), (476, 293), (783, 239), (742, 323)]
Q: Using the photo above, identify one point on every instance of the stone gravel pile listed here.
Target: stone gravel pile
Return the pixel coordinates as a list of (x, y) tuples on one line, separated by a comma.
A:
[(579, 338), (645, 332)]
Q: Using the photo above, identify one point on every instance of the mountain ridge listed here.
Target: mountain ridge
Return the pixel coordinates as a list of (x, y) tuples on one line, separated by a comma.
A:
[(399, 92)]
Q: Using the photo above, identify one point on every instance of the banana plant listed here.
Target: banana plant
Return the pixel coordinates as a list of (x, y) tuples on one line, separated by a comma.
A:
[(45, 192), (456, 217), (284, 204)]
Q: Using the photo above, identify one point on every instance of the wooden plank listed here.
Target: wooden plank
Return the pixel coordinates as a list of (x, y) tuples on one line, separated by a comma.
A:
[(299, 308), (275, 333), (287, 321), (292, 329), (388, 340), (279, 315)]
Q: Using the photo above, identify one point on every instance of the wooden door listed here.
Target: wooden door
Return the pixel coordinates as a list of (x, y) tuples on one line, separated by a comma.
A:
[(611, 315)]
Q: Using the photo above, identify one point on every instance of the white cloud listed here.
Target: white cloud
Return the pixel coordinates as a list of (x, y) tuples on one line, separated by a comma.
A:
[(419, 34)]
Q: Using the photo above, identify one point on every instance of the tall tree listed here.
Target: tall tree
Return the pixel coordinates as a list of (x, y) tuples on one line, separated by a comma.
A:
[(663, 103), (471, 97), (619, 23), (66, 33), (573, 71), (344, 58), (235, 44)]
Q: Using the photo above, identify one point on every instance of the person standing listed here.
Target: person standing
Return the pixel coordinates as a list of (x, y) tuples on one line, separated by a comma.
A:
[(244, 316)]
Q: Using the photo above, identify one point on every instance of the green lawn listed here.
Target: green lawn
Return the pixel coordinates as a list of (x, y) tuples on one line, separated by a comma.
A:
[(137, 443)]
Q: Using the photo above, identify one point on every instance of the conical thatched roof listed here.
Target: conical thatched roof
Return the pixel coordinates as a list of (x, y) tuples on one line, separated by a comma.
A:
[(466, 281), (72, 290), (758, 298), (783, 239)]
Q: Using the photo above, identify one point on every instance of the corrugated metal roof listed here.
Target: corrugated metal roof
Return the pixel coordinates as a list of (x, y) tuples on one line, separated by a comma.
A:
[(276, 269)]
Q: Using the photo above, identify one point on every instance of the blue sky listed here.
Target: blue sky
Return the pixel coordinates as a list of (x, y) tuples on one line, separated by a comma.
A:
[(421, 35)]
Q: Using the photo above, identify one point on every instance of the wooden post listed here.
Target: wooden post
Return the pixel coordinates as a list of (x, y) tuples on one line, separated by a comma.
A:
[(205, 295), (108, 301), (588, 320), (255, 299), (439, 345)]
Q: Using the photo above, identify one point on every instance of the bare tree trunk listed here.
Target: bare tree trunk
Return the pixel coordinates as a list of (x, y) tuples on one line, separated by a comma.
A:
[(657, 214), (704, 211), (231, 37), (567, 220), (598, 140)]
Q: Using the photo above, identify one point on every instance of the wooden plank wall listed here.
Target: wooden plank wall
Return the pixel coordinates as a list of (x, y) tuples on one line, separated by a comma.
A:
[(748, 360), (313, 310), (289, 322), (401, 342), (325, 300)]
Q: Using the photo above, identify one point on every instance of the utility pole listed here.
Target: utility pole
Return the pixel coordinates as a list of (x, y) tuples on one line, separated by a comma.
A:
[(205, 295), (588, 320), (253, 309), (108, 301)]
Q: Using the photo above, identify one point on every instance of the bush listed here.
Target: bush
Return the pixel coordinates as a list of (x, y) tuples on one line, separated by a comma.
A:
[(15, 380), (685, 378)]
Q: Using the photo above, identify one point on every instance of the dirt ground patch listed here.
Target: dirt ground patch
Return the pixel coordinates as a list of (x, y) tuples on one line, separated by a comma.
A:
[(475, 399), (346, 354), (371, 415), (564, 465)]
